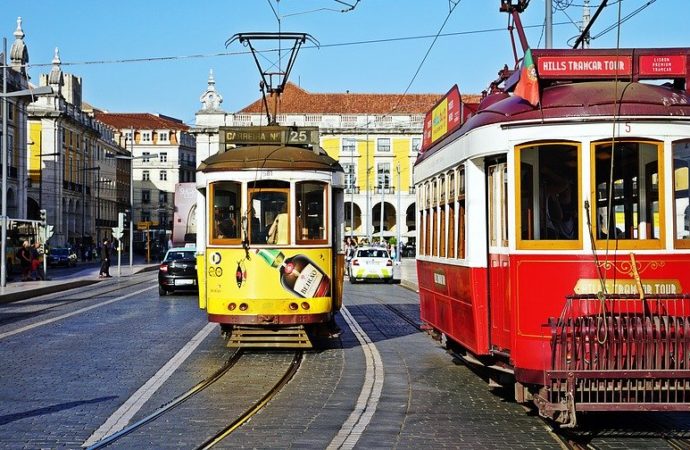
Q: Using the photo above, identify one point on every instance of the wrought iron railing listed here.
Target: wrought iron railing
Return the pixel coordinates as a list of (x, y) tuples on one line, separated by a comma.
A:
[(620, 353)]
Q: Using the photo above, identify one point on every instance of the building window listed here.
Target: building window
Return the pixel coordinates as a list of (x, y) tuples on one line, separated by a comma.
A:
[(146, 157), (145, 216), (383, 171), (163, 175), (163, 157), (311, 211), (145, 196), (416, 145), (349, 145), (350, 175), (383, 144), (145, 175), (163, 136), (162, 197), (146, 136), (128, 136)]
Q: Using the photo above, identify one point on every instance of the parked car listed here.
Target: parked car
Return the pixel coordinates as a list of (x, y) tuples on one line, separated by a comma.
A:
[(62, 256), (371, 263), (177, 271)]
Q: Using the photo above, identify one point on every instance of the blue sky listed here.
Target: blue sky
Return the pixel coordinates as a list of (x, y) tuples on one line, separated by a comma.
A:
[(92, 34)]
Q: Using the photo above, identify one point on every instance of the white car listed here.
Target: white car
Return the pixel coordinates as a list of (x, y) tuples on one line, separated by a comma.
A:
[(371, 263)]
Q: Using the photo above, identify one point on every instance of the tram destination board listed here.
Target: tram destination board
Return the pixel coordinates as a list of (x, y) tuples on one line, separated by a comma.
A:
[(270, 135)]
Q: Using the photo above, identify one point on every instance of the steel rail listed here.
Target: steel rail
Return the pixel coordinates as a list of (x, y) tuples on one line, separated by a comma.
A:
[(172, 404), (249, 413)]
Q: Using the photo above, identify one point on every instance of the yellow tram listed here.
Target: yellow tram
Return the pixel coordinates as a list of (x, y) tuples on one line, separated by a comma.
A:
[(269, 228)]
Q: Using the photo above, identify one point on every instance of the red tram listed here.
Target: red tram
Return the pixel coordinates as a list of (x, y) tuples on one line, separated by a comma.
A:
[(554, 240)]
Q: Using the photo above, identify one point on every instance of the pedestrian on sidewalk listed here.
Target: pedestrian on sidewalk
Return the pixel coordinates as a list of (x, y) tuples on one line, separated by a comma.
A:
[(24, 255), (105, 260), (36, 260)]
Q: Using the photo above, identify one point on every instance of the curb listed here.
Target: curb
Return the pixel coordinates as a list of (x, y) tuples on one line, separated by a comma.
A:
[(30, 293)]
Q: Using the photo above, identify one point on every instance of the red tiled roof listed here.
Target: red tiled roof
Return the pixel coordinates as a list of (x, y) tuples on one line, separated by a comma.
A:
[(140, 121), (299, 101)]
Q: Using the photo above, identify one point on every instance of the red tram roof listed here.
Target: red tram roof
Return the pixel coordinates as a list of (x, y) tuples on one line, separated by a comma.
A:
[(590, 83)]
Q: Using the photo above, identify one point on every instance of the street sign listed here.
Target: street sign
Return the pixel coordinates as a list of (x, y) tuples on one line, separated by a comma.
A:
[(143, 225), (117, 232)]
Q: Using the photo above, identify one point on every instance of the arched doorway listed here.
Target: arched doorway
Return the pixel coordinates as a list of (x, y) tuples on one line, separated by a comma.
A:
[(33, 212), (388, 218), (352, 226)]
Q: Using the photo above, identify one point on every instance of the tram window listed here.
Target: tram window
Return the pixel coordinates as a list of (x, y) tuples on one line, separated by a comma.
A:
[(461, 213), (225, 201), (310, 198), (268, 207), (548, 199), (629, 208), (681, 192)]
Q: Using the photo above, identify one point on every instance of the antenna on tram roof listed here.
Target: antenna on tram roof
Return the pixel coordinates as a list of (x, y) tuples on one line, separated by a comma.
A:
[(273, 80)]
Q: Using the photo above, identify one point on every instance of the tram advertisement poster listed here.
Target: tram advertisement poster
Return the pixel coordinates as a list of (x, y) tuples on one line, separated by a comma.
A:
[(270, 273), (443, 118), (184, 214)]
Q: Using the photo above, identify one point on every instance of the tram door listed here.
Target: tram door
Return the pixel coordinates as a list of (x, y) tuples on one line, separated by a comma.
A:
[(497, 210)]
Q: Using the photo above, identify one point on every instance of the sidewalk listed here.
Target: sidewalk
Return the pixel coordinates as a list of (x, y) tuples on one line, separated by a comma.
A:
[(84, 276)]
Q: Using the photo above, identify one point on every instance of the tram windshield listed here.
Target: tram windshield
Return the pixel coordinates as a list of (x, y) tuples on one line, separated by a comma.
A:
[(274, 213)]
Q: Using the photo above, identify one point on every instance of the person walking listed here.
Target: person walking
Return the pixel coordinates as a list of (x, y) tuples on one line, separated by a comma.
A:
[(105, 260), (36, 260), (24, 255)]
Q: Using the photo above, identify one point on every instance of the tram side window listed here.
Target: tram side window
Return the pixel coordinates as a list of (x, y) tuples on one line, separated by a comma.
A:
[(268, 213), (226, 211), (310, 198), (548, 192), (633, 197), (681, 192), (461, 213)]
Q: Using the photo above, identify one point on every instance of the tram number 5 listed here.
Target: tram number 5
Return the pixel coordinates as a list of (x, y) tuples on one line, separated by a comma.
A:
[(298, 136)]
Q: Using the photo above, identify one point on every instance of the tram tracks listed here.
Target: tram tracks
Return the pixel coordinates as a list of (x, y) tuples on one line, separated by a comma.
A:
[(245, 416)]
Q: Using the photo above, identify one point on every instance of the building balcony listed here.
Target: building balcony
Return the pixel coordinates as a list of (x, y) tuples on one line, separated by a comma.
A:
[(352, 190), (411, 190), (385, 190)]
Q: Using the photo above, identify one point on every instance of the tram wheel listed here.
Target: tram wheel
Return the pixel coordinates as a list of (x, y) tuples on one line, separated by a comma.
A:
[(162, 292)]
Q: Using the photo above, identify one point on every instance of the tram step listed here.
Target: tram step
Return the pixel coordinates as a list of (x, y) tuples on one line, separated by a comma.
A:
[(289, 337)]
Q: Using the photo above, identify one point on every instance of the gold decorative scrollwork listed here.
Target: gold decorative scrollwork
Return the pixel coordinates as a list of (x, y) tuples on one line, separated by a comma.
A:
[(625, 267)]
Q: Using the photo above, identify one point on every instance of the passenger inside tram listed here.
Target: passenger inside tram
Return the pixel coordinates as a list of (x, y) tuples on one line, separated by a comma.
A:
[(278, 233)]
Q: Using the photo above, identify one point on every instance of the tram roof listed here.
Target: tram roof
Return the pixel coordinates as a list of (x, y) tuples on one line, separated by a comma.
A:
[(576, 100), (270, 157)]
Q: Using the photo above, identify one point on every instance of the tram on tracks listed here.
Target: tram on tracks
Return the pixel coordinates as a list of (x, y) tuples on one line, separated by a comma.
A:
[(269, 214), (554, 238)]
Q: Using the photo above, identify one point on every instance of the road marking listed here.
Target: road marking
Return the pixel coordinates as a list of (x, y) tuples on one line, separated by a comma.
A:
[(369, 397), (73, 313), (120, 418)]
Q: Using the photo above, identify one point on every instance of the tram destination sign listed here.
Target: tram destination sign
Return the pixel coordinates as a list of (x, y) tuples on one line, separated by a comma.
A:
[(269, 135)]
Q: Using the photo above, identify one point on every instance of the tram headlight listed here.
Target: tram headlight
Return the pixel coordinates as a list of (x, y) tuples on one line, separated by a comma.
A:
[(305, 305), (232, 306), (293, 306), (243, 306)]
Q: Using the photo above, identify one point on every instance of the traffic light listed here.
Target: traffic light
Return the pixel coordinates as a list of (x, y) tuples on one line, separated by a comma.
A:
[(128, 216), (44, 215)]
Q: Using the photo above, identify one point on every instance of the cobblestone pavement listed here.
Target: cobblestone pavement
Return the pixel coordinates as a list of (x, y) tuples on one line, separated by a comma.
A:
[(63, 380)]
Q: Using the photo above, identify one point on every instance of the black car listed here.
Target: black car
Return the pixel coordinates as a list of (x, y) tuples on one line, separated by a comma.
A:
[(62, 256), (177, 272)]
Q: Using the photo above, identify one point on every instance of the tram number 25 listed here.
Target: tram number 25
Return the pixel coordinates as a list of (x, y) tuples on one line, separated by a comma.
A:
[(298, 136)]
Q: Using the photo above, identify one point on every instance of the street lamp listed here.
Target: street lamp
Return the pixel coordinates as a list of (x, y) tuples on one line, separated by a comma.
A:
[(42, 90)]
